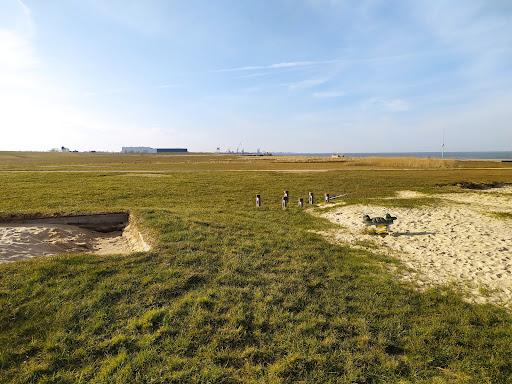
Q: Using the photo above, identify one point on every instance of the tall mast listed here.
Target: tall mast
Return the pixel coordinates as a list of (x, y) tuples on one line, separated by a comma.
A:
[(442, 147)]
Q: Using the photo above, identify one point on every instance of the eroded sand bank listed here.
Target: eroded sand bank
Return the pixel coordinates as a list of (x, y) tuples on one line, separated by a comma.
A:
[(25, 241), (461, 241)]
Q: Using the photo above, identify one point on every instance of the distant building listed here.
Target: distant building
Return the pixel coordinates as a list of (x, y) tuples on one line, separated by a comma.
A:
[(171, 150), (153, 150), (138, 150)]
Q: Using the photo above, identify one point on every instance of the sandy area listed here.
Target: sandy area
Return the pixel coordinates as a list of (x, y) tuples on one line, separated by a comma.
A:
[(22, 241), (459, 242)]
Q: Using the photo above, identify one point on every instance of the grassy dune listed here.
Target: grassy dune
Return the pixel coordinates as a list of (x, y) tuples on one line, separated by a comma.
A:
[(230, 293)]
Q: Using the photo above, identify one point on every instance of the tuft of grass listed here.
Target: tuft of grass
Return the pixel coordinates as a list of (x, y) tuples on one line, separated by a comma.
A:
[(502, 215)]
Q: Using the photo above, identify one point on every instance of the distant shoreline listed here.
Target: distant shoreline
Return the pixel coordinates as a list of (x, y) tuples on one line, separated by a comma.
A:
[(484, 155)]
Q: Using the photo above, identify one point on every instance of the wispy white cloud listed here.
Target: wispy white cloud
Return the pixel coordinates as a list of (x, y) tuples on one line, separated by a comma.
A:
[(26, 10), (396, 105), (306, 64), (328, 94), (113, 91), (166, 86), (305, 84), (479, 32), (252, 89), (388, 105), (256, 74), (282, 65), (22, 18)]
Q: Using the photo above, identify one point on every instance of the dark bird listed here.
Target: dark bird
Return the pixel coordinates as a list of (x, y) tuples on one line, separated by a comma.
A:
[(378, 221), (390, 218)]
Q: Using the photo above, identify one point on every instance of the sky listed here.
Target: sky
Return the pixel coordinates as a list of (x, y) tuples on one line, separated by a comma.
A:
[(276, 75)]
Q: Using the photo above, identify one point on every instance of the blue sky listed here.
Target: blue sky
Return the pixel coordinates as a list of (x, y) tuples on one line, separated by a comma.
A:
[(289, 75)]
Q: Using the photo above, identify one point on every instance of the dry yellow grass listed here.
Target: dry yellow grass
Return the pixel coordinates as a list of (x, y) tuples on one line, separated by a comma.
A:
[(386, 162), (406, 162)]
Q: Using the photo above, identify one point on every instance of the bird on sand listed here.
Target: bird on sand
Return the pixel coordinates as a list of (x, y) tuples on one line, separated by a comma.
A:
[(378, 221)]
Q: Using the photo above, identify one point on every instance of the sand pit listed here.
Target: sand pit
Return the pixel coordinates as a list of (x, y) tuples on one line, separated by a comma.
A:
[(459, 242), (99, 234)]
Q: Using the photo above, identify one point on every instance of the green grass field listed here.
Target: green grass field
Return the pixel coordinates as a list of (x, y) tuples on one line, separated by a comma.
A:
[(231, 293)]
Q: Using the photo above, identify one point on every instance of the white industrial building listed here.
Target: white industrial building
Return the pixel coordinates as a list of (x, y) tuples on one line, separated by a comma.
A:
[(152, 150), (138, 150)]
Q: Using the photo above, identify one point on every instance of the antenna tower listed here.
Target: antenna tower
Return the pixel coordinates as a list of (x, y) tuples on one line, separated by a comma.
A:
[(442, 147)]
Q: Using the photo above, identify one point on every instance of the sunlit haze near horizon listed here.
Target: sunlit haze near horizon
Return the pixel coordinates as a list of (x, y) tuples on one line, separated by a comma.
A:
[(298, 76)]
